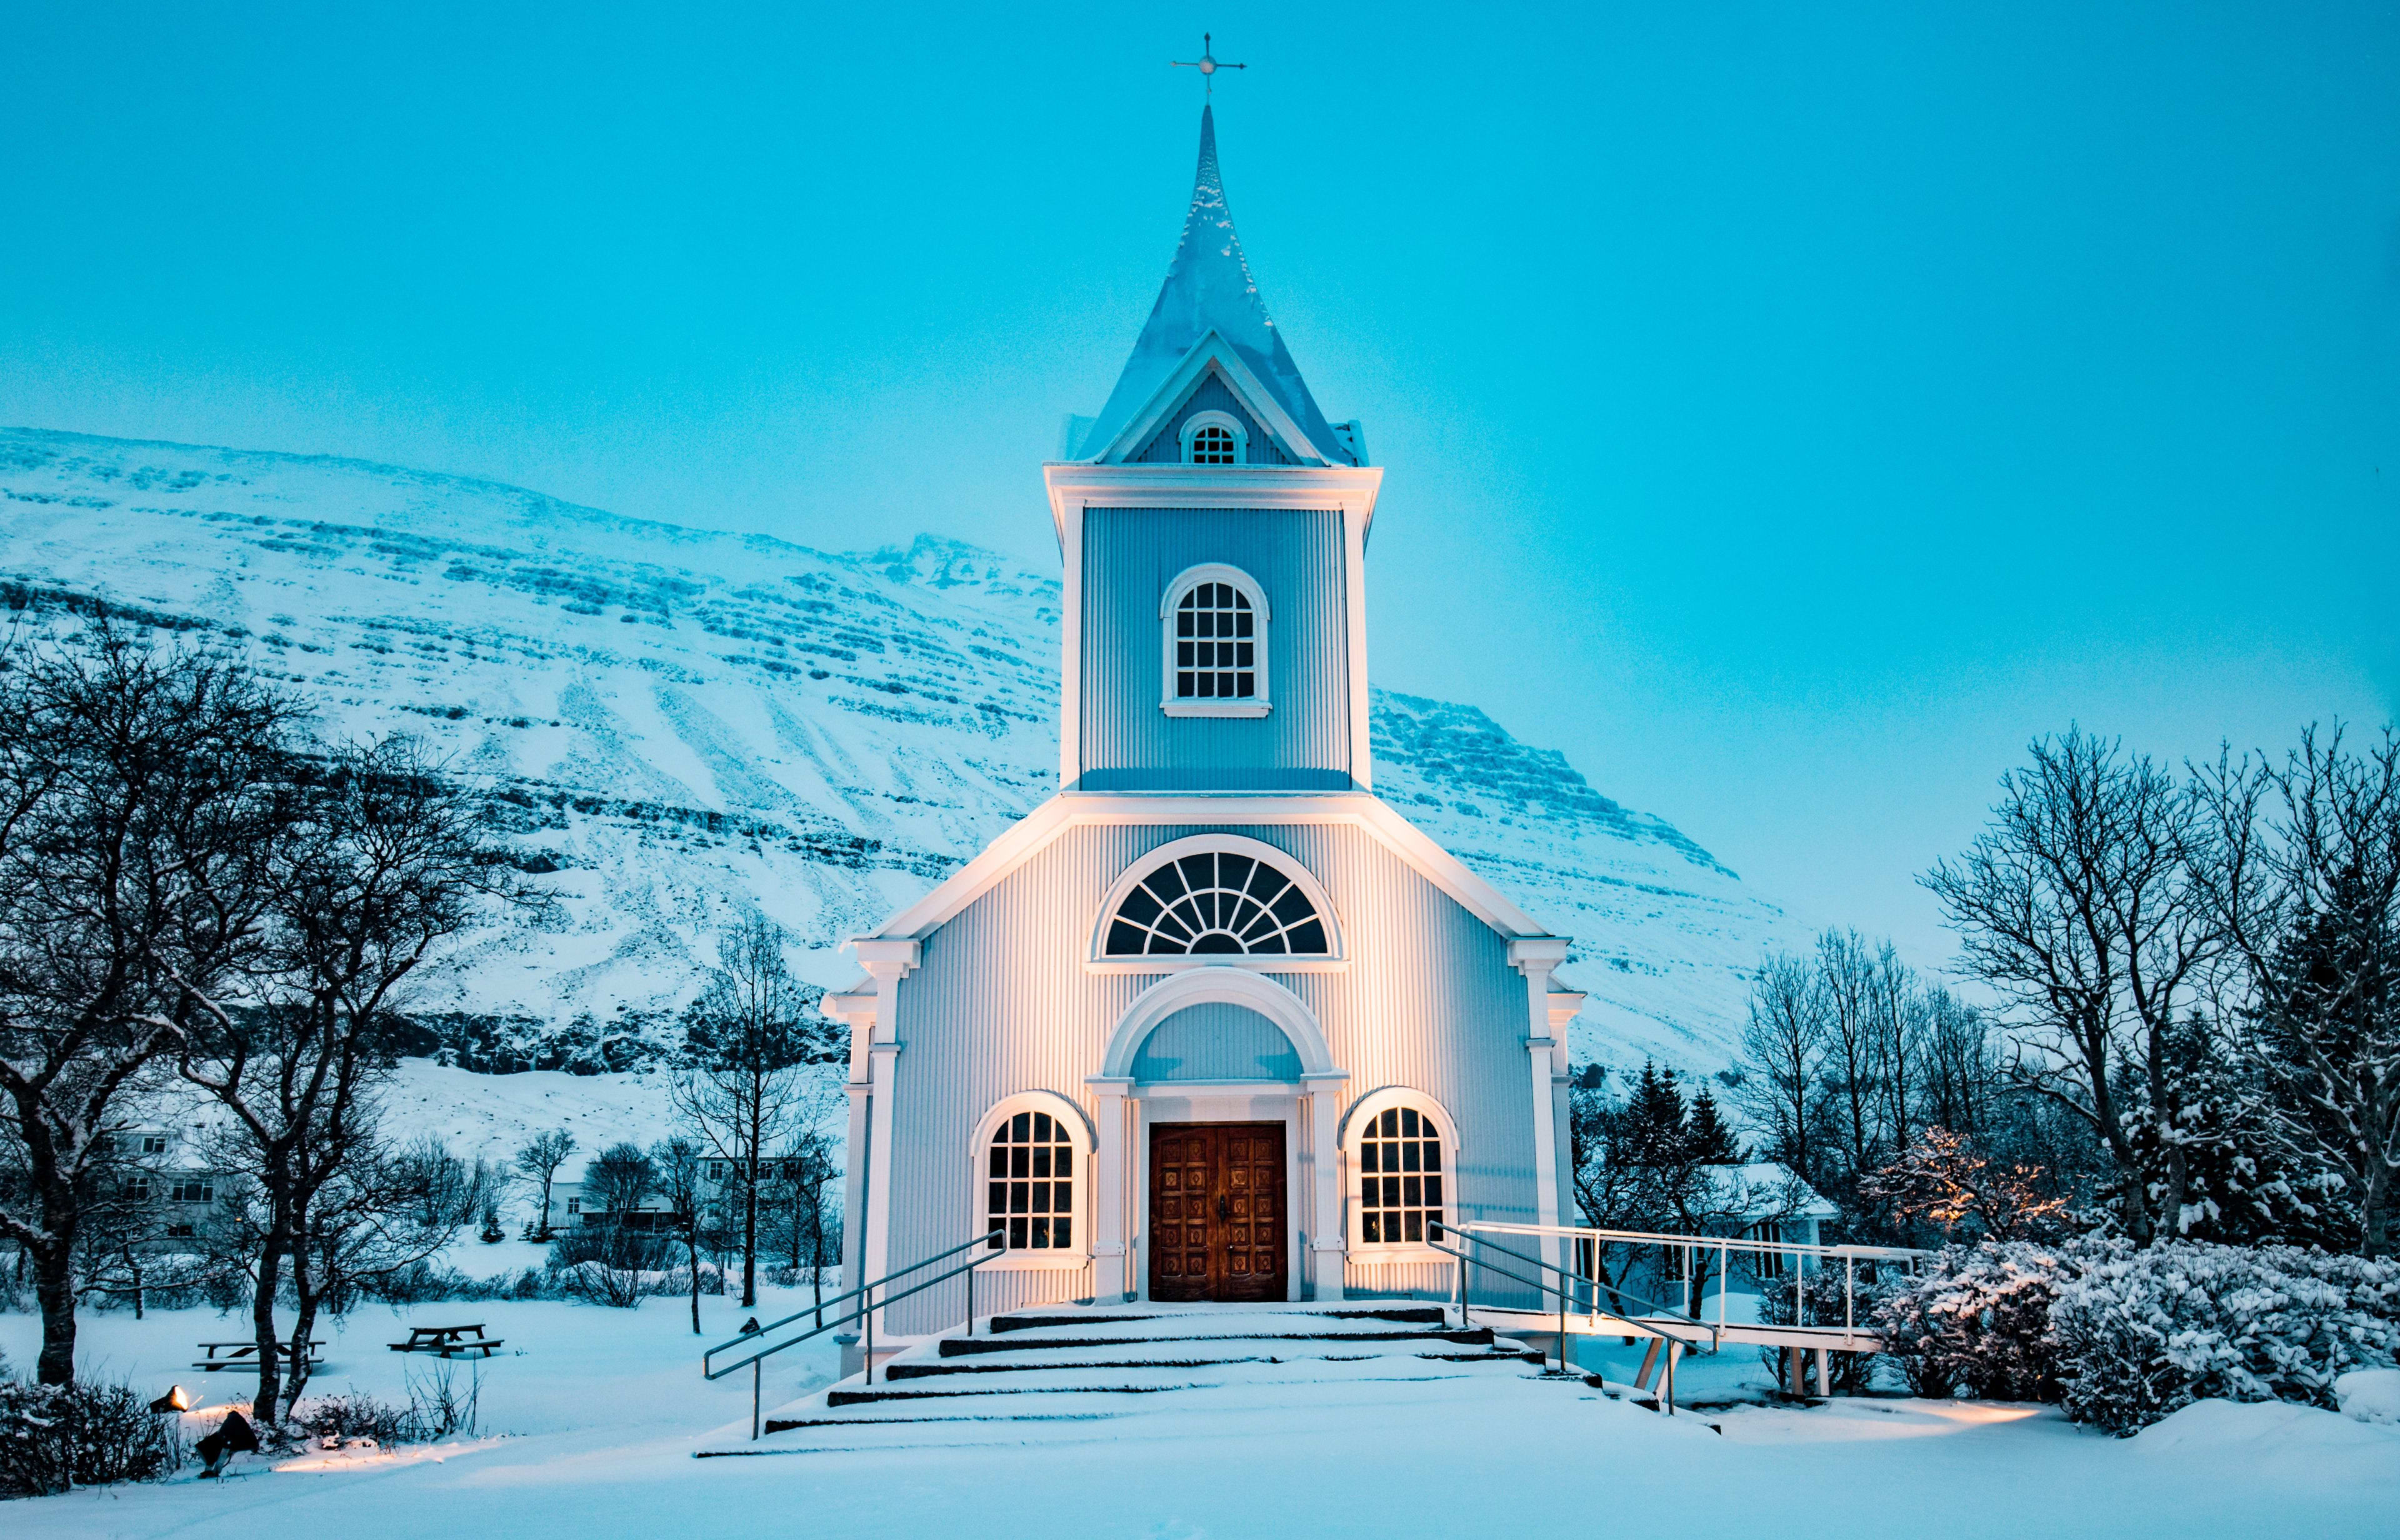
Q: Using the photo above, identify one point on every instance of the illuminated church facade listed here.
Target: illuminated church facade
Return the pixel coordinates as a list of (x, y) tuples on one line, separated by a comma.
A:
[(1212, 1023)]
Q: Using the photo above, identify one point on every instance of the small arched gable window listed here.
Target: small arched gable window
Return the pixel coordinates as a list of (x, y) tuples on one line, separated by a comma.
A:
[(1214, 646), (1403, 1157), (1218, 899), (1214, 438)]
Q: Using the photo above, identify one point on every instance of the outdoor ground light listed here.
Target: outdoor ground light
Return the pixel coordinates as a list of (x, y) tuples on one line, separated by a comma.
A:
[(176, 1399)]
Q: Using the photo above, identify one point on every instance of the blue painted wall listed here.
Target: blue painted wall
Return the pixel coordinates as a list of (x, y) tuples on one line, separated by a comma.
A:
[(1216, 1040), (1130, 555), (1211, 394)]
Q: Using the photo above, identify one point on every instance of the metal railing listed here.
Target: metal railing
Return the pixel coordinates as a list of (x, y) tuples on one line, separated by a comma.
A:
[(1791, 1255), (863, 1311), (1576, 1292)]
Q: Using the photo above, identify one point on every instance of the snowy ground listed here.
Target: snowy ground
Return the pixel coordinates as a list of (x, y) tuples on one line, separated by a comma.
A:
[(590, 1416)]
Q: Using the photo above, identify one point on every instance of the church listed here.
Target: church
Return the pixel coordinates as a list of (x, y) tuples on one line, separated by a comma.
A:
[(1214, 1022)]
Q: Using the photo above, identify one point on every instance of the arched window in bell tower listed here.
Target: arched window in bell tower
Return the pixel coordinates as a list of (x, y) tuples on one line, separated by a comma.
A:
[(1215, 644)]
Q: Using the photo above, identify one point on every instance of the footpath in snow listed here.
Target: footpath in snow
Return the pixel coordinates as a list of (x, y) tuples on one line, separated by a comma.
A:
[(591, 1419)]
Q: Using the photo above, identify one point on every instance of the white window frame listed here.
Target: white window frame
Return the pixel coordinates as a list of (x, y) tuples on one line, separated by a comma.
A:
[(1214, 418), (1087, 1147), (1355, 1124), (1241, 583), (1334, 959)]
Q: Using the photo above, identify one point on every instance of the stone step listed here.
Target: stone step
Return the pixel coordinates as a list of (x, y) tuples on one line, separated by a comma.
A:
[(1179, 1356), (962, 1347), (1153, 1379), (1407, 1315)]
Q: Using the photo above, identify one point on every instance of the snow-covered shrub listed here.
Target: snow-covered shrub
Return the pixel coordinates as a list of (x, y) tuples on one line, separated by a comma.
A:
[(85, 1435), (2142, 1333), (1975, 1321), (2369, 1395)]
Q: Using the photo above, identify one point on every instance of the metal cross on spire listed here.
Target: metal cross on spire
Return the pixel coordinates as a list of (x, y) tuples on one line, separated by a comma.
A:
[(1208, 64)]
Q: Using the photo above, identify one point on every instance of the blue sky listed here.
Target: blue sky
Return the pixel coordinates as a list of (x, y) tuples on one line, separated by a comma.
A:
[(1788, 411)]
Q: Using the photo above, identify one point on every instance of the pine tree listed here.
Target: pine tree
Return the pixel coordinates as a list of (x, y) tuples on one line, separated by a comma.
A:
[(1654, 1129), (1709, 1141)]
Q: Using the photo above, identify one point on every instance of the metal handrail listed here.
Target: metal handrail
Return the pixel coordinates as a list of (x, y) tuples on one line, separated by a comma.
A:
[(1657, 1312), (863, 1311)]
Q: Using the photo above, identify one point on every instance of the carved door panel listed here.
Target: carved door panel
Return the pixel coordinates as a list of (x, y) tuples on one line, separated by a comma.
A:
[(1183, 1185), (1218, 1227)]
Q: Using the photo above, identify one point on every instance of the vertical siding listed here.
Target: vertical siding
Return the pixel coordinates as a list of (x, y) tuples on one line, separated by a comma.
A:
[(1216, 1040), (1128, 743), (1001, 1003), (1212, 395)]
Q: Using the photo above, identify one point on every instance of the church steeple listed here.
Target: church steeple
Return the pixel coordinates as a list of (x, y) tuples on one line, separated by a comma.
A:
[(1209, 293)]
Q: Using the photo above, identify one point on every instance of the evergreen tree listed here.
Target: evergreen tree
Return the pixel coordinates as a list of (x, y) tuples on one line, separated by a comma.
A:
[(1652, 1129), (1709, 1139)]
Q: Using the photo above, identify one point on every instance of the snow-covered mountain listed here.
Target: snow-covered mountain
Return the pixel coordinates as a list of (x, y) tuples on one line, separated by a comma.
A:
[(686, 724)]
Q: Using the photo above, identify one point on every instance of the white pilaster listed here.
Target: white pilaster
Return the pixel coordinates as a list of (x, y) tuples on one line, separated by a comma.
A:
[(1536, 958), (855, 1011), (1327, 1242), (886, 962), (1111, 1272)]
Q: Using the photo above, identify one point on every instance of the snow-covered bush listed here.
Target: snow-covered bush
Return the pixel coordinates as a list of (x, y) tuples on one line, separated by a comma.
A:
[(1975, 1321), (85, 1435), (2139, 1334)]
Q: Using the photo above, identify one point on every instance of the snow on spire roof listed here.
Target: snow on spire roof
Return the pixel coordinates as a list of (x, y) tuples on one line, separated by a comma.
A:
[(1208, 288)]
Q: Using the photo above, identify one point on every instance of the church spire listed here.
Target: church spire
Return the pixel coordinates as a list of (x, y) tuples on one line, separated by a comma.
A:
[(1208, 290)]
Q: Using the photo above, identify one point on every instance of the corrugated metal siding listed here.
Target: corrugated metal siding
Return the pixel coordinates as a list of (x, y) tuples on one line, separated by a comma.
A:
[(1001, 1003), (1212, 395), (1216, 1040), (1128, 743)]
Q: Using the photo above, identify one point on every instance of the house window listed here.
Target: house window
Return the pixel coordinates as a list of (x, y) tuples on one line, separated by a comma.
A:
[(1214, 446), (1770, 1264), (1030, 1193), (179, 1232), (1216, 901), (575, 1205), (1216, 644), (1399, 1179), (137, 1190), (153, 1144), (717, 1170), (199, 1189)]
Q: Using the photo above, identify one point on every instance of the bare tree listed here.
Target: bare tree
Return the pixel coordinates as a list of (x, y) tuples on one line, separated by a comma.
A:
[(749, 1035), (2078, 907), (1944, 1180), (2306, 882), (385, 862), (134, 785), (677, 1163), (540, 1160), (1784, 1044)]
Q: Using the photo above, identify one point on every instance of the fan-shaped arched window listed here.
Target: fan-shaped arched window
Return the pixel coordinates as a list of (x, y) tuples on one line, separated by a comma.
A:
[(1216, 903)]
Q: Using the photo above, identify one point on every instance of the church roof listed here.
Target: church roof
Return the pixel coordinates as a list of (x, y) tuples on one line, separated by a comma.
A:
[(1209, 291)]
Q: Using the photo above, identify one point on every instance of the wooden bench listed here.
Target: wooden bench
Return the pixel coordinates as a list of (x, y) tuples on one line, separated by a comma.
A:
[(244, 1355), (448, 1342)]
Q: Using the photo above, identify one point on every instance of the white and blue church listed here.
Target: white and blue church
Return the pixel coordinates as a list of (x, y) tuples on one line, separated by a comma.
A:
[(1214, 1022)]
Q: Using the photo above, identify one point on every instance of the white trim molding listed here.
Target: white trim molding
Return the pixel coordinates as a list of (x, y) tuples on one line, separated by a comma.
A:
[(1230, 986), (1257, 702), (1067, 811), (1332, 960), (1355, 1124), (1086, 1140), (1210, 352), (1212, 418)]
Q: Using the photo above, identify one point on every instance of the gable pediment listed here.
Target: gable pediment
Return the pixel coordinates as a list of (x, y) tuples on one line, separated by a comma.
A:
[(1209, 393), (1212, 356)]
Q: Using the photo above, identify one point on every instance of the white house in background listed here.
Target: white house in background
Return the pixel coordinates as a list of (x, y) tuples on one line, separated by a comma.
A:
[(1762, 1201), (1213, 1022)]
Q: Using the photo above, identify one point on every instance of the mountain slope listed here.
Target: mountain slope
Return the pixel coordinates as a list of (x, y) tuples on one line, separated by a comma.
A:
[(688, 724)]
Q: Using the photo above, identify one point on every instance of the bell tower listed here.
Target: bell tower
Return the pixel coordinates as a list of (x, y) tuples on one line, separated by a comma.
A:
[(1213, 525)]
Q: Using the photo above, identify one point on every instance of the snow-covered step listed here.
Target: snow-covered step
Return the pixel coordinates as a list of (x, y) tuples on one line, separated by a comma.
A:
[(1150, 1379)]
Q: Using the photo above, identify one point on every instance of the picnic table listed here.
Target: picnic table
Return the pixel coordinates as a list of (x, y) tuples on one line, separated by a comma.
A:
[(447, 1340), (244, 1355)]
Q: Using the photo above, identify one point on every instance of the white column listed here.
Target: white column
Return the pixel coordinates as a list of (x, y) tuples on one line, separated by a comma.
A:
[(887, 961), (1537, 957), (1111, 1277), (1328, 1242), (857, 1012)]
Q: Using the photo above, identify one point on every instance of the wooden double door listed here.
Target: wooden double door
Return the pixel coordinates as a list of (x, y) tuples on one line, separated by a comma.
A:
[(1216, 1211)]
